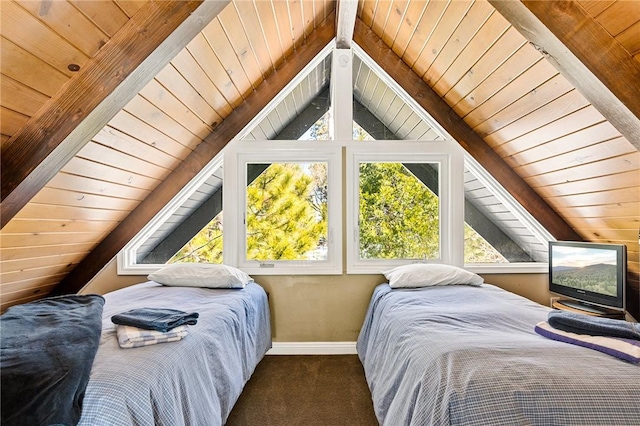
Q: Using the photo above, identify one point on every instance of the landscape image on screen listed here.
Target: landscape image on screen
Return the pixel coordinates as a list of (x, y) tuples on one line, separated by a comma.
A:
[(585, 269)]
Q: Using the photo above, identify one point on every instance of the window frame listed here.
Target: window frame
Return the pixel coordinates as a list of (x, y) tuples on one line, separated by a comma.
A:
[(126, 259), (517, 210), (241, 153), (451, 221)]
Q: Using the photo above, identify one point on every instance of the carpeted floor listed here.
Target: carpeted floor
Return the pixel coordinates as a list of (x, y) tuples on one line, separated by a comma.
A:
[(309, 390)]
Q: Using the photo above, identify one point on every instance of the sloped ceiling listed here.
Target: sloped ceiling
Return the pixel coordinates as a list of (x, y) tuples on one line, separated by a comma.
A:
[(110, 107)]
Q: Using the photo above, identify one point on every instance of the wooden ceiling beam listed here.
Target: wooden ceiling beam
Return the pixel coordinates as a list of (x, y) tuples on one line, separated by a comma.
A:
[(602, 70), (199, 157), (120, 69), (347, 10), (429, 100)]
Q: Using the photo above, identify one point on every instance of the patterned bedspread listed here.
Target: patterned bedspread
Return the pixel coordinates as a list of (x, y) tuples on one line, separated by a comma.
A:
[(463, 355), (194, 381)]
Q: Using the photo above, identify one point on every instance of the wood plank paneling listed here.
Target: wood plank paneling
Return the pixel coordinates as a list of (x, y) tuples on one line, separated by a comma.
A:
[(250, 21), (201, 50), (592, 154), (20, 98), (206, 151), (523, 85), (531, 99), (600, 132), (462, 96), (612, 180), (397, 15), (408, 26), (610, 166), (596, 7), (565, 124), (130, 7), (630, 39), (232, 26), (424, 29), (450, 20), (28, 69), (12, 121), (50, 212), (25, 226), (26, 31), (486, 36), (457, 41), (569, 37), (620, 16), (70, 23), (216, 37), (153, 116), (270, 31), (72, 116), (120, 141), (82, 184), (106, 15), (172, 93), (50, 239)]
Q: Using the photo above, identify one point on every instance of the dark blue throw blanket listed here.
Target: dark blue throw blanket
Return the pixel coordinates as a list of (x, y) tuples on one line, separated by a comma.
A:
[(159, 319), (593, 326), (47, 350)]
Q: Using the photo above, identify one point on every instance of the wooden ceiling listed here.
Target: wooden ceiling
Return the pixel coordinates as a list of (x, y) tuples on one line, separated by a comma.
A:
[(110, 107)]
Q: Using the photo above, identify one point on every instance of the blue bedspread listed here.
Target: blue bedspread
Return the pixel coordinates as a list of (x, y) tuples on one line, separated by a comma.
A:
[(47, 351), (194, 381), (463, 355)]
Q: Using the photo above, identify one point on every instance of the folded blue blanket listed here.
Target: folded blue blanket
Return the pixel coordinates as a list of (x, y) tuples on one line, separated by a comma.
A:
[(159, 319), (593, 326)]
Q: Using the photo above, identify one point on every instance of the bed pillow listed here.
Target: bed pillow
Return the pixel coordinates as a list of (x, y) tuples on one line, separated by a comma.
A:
[(430, 274), (207, 275)]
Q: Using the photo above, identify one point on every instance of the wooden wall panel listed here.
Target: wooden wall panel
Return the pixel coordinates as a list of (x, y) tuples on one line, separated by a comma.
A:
[(451, 19), (534, 118), (33, 71), (143, 143), (621, 18)]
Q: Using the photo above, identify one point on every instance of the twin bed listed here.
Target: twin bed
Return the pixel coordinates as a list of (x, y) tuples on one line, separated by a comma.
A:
[(193, 381), (469, 355)]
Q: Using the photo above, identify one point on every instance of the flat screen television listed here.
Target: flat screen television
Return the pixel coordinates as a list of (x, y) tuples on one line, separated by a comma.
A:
[(592, 274)]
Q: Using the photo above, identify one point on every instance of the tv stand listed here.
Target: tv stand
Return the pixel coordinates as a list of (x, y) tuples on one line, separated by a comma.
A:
[(588, 309)]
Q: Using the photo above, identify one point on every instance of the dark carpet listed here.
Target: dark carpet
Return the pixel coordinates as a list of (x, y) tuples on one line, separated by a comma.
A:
[(323, 390)]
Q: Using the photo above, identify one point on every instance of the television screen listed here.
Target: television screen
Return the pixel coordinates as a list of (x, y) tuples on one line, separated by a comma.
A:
[(589, 272)]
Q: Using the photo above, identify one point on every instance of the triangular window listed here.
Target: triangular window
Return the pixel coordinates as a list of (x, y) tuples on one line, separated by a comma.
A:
[(497, 231)]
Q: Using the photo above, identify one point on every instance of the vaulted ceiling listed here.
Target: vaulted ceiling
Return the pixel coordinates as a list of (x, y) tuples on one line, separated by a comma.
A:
[(108, 108)]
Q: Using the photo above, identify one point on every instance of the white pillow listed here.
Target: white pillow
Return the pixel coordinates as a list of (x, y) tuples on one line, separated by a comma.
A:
[(430, 274), (208, 275)]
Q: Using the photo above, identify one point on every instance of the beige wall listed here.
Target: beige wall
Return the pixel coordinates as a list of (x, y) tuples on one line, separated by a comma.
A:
[(324, 308)]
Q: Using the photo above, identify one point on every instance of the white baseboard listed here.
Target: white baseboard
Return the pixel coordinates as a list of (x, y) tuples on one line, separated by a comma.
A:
[(313, 348)]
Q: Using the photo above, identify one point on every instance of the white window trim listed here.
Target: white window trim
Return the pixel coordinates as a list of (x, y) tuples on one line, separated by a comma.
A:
[(449, 156), (539, 232), (234, 199), (126, 259)]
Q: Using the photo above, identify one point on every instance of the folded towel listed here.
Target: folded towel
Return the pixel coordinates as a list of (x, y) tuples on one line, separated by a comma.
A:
[(626, 349), (133, 337), (159, 319), (593, 326)]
